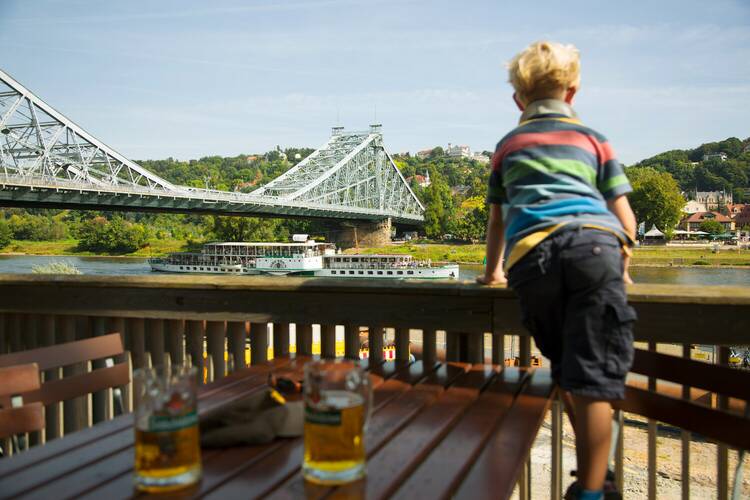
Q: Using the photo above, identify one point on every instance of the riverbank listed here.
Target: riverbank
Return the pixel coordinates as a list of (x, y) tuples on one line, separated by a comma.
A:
[(648, 256), (155, 248), (437, 252)]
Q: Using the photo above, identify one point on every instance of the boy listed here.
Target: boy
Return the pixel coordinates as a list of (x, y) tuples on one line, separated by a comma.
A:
[(559, 216)]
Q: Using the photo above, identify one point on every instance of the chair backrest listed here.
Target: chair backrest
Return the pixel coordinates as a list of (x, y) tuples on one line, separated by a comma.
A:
[(729, 427), (21, 417), (56, 356)]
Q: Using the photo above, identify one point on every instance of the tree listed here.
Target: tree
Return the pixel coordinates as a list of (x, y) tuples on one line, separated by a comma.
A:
[(6, 235), (712, 227), (470, 222), (116, 236), (248, 229), (439, 209), (656, 197)]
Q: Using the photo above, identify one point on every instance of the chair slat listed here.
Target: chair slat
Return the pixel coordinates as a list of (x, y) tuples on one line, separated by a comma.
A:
[(714, 378), (67, 354), (714, 424), (80, 385), (19, 379), (27, 418)]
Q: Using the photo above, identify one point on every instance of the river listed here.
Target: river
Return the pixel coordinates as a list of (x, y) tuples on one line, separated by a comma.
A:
[(113, 266)]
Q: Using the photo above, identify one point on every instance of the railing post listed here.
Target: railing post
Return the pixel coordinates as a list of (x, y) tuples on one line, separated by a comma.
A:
[(3, 334), (137, 328), (258, 343), (237, 332), (620, 451), (155, 340), (304, 339), (100, 399), (685, 437), (75, 411), (52, 412), (402, 344), (194, 343), (452, 346), (375, 342), (498, 349), (722, 451), (429, 347), (651, 438), (328, 341), (556, 462), (351, 341), (176, 341), (524, 350), (280, 340), (215, 336)]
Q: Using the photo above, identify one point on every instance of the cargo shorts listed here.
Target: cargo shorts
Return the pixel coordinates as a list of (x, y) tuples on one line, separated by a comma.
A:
[(573, 303)]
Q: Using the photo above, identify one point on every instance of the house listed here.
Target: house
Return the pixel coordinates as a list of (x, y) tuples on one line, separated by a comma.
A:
[(693, 222), (483, 159), (458, 151), (693, 206), (422, 181), (733, 209), (713, 199), (425, 153), (715, 156)]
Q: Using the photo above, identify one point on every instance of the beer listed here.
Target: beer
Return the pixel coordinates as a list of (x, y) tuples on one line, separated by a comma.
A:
[(167, 442), (334, 436), (166, 455)]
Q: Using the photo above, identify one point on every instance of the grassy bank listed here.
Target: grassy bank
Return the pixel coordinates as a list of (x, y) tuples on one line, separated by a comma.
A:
[(653, 256), (155, 248)]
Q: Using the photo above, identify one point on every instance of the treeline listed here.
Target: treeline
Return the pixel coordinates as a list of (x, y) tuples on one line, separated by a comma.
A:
[(454, 199)]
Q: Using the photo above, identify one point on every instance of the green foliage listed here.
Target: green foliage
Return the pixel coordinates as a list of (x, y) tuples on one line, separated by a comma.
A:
[(656, 198), (115, 236), (36, 227), (712, 227), (6, 234), (471, 219), (56, 267), (249, 229), (439, 208)]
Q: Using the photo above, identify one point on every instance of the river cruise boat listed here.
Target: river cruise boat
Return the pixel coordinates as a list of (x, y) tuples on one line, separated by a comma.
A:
[(384, 266), (302, 256)]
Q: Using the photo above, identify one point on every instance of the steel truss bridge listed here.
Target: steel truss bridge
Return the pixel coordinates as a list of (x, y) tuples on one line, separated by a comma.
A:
[(47, 161)]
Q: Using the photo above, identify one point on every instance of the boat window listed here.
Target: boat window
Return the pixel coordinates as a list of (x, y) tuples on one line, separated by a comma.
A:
[(333, 272), (409, 272), (400, 272), (346, 259), (180, 267), (338, 259), (380, 272), (351, 272), (201, 269), (361, 272), (392, 259), (390, 272)]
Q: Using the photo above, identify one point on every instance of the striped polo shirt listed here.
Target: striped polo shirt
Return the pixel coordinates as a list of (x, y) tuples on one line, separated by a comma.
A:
[(552, 172)]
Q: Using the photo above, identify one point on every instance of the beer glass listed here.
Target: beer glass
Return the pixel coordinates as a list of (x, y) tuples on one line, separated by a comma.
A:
[(167, 443), (338, 400)]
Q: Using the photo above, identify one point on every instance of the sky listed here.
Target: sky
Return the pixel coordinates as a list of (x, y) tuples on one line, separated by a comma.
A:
[(187, 79)]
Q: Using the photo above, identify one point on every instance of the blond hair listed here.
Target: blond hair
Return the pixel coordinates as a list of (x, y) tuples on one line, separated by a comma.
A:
[(543, 70)]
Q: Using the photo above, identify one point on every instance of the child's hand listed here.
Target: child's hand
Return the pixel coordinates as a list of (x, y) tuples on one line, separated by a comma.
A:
[(492, 280)]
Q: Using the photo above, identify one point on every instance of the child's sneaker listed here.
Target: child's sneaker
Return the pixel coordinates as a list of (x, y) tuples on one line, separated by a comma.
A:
[(610, 489)]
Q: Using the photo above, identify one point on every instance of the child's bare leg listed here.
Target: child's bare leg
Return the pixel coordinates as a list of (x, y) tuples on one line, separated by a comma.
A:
[(593, 427)]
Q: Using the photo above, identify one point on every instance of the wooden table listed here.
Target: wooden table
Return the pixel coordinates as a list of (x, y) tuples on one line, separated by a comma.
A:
[(438, 430)]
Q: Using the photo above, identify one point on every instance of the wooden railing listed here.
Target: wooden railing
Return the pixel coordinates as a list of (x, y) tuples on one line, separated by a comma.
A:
[(211, 321)]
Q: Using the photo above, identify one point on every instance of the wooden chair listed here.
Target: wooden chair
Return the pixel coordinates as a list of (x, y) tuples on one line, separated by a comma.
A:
[(15, 416), (725, 425), (47, 358)]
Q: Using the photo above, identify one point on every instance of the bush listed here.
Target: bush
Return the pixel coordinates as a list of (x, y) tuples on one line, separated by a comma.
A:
[(115, 236), (36, 228)]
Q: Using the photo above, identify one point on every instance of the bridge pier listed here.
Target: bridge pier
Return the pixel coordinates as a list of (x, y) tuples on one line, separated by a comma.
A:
[(363, 234)]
